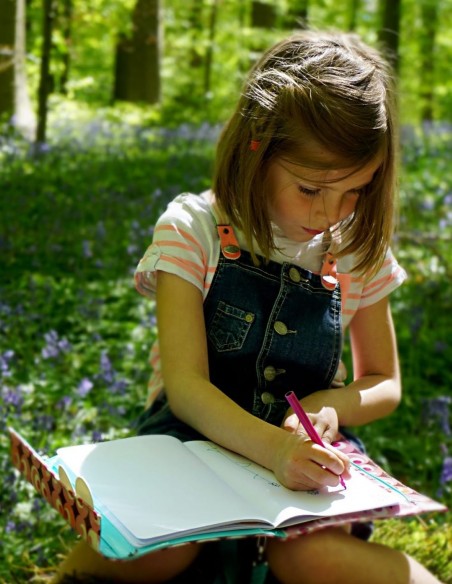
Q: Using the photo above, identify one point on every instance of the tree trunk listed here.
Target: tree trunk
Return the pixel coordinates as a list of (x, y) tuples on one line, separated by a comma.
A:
[(195, 23), (44, 80), (137, 74), (209, 53), (7, 39), (429, 11), (388, 35), (263, 14), (25, 121), (67, 35)]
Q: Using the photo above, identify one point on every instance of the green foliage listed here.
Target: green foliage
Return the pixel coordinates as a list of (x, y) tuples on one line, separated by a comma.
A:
[(96, 27), (426, 540), (77, 214)]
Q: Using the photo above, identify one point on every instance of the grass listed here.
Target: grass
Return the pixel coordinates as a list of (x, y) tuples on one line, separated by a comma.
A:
[(76, 216)]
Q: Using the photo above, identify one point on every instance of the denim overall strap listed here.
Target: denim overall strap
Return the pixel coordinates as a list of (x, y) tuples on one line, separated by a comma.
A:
[(271, 328)]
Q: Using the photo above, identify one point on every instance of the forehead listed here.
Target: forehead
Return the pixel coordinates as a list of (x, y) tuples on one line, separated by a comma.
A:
[(358, 175)]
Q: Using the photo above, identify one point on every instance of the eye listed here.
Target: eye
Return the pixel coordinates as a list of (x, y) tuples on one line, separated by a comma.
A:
[(357, 192), (307, 191)]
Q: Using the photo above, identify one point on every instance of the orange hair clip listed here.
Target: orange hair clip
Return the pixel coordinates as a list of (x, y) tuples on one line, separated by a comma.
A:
[(254, 145)]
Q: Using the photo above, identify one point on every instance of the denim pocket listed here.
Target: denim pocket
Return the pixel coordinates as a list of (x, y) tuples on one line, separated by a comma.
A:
[(229, 328)]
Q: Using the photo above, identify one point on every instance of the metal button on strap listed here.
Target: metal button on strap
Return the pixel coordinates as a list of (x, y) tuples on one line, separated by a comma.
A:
[(294, 275), (269, 373), (231, 249), (280, 328), (249, 317), (267, 398)]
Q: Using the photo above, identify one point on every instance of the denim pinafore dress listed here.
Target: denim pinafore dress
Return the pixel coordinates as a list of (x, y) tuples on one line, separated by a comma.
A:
[(271, 329)]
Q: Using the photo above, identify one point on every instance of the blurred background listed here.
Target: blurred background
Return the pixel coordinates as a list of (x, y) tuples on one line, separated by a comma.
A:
[(110, 108)]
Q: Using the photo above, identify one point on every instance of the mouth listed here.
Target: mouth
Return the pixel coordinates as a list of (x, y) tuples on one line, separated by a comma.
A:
[(313, 231)]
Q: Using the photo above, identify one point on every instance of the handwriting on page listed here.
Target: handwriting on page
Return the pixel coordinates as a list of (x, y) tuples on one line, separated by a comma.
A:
[(250, 467)]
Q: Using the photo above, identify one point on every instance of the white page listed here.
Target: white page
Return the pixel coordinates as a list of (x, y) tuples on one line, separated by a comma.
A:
[(154, 486), (260, 486)]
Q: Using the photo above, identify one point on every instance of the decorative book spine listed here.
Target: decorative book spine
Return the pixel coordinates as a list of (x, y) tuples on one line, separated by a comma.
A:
[(82, 518)]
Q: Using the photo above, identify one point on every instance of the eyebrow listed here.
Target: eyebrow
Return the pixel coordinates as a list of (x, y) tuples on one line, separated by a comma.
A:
[(320, 183)]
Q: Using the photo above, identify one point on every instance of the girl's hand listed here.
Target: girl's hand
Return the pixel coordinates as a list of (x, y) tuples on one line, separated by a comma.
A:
[(324, 419), (302, 465)]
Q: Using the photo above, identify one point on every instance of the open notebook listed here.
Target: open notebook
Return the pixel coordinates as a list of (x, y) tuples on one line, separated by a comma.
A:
[(130, 496)]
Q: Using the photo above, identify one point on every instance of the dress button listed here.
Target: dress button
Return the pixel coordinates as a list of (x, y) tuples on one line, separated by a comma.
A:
[(267, 398), (231, 248), (269, 373), (294, 275), (280, 328)]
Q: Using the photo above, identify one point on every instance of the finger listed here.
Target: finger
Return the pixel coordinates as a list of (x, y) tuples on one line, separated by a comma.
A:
[(315, 476), (330, 459)]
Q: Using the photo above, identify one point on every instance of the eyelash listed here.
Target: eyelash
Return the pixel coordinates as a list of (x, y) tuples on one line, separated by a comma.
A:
[(308, 192), (313, 192)]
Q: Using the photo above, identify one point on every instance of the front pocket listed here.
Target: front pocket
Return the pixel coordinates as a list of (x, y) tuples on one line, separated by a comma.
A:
[(229, 328)]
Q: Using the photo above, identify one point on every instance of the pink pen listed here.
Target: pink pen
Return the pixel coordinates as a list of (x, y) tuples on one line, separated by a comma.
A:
[(306, 423)]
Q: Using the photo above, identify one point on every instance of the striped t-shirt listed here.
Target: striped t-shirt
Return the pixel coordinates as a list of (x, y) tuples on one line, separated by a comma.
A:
[(186, 243)]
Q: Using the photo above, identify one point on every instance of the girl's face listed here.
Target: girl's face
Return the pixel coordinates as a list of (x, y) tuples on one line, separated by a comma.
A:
[(304, 202)]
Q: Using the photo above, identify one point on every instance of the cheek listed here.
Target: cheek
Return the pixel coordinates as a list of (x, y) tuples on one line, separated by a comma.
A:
[(349, 206)]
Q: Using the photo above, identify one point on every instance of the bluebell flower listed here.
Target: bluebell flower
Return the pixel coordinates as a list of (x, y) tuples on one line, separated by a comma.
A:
[(12, 396), (10, 526), (84, 387), (101, 232), (119, 387), (446, 472), (436, 411), (55, 346), (107, 373), (5, 360), (86, 249), (44, 422), (132, 249), (96, 436), (64, 402)]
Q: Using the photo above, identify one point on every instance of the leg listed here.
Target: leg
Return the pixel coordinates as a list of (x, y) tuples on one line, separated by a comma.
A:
[(332, 556), (149, 569)]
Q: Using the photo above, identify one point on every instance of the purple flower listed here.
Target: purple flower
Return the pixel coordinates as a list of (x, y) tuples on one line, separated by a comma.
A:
[(10, 526), (4, 363), (437, 411), (55, 346), (101, 232), (64, 402), (12, 396), (86, 249), (84, 387), (44, 422), (96, 436), (107, 372), (446, 473)]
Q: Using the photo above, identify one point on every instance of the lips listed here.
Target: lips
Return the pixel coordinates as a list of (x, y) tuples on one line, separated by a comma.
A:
[(312, 231)]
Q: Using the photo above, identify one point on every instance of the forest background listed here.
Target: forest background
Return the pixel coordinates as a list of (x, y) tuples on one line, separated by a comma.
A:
[(109, 109)]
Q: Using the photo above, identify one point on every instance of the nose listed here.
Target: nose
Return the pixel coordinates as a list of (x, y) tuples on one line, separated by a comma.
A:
[(331, 206)]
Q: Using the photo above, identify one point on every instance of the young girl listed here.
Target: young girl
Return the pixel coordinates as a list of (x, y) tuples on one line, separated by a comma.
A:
[(256, 281)]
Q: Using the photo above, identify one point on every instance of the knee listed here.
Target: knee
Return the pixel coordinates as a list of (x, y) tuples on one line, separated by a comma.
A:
[(152, 568), (309, 558)]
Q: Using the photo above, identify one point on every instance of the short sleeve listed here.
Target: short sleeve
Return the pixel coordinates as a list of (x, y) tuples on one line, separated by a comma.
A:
[(182, 245), (388, 278)]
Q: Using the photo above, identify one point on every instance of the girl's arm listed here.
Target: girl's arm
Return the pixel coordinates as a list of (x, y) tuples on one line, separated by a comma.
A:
[(193, 399), (376, 389)]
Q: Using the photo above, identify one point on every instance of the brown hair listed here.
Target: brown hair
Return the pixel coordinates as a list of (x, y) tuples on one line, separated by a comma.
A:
[(327, 90)]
